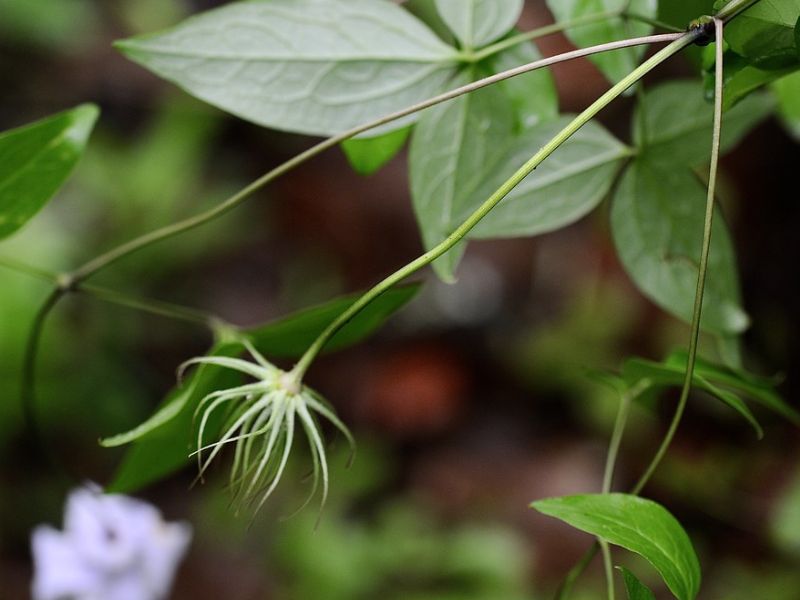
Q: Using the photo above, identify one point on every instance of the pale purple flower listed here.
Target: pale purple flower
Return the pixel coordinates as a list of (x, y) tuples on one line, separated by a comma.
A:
[(112, 548)]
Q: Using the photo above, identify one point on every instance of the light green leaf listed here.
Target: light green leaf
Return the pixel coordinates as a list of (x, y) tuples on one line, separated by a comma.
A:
[(677, 123), (562, 190), (163, 443), (635, 588), (308, 66), (638, 525), (657, 224), (614, 65), (788, 92), (454, 148), (368, 155), (660, 375), (36, 159), (764, 34), (479, 22), (534, 94)]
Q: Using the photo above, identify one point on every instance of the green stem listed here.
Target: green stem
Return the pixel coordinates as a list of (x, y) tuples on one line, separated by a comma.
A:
[(27, 393), (703, 268), (608, 567), (461, 231), (156, 307), (734, 8), (20, 267), (101, 262), (564, 590)]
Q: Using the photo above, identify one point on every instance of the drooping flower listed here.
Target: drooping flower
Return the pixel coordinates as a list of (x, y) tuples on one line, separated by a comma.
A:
[(260, 422), (113, 547)]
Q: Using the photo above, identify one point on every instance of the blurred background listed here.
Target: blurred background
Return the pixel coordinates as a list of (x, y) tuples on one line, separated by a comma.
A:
[(470, 404)]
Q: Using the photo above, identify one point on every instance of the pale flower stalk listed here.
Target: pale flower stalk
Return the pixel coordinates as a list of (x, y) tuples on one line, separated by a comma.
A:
[(113, 547)]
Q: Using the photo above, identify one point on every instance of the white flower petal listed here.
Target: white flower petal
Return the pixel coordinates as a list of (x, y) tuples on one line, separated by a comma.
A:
[(59, 570), (165, 551)]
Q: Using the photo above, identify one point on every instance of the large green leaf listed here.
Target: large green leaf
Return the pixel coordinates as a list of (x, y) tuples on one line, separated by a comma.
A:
[(563, 189), (635, 588), (742, 78), (659, 375), (657, 224), (368, 155), (162, 444), (614, 65), (638, 525), (673, 123), (454, 148), (308, 66), (36, 159), (478, 22), (765, 34), (534, 94)]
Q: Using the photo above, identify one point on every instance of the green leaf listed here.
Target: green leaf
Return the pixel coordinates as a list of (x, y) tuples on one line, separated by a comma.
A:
[(163, 443), (454, 148), (759, 389), (614, 65), (291, 336), (308, 66), (36, 159), (765, 34), (368, 155), (456, 164), (674, 122), (479, 22), (635, 588), (638, 525), (788, 92), (660, 375), (657, 223), (681, 12), (742, 79), (562, 190), (534, 94)]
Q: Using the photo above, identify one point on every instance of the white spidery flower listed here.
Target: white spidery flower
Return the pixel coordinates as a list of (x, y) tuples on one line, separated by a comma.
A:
[(113, 547), (261, 421)]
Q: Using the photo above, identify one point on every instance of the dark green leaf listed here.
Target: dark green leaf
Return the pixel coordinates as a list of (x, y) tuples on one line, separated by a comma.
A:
[(676, 124), (635, 588), (614, 65), (638, 525), (657, 224), (660, 375), (765, 34), (36, 159), (368, 155), (759, 389), (534, 94), (308, 66), (479, 22), (162, 444), (291, 336)]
